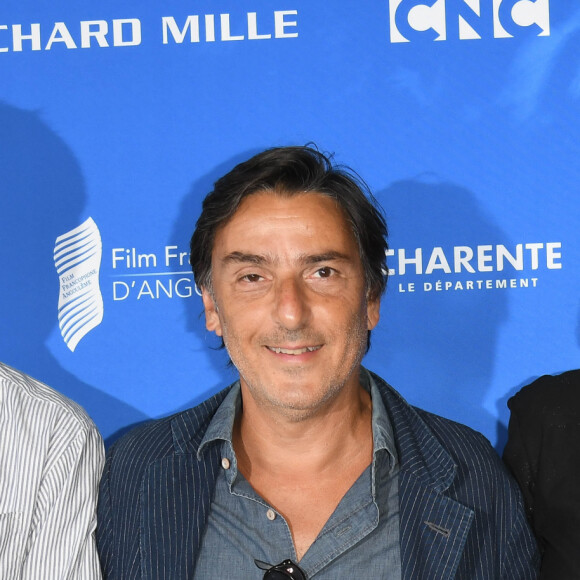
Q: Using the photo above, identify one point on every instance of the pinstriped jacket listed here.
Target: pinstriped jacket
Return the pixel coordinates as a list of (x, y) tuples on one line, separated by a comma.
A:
[(461, 515)]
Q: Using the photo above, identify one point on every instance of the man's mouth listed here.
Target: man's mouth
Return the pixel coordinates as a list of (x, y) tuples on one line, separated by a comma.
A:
[(294, 351)]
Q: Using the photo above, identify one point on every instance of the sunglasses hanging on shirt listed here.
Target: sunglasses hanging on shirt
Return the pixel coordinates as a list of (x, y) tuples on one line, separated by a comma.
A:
[(286, 570)]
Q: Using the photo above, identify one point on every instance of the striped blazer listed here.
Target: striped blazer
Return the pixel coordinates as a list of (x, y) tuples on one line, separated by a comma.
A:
[(461, 514)]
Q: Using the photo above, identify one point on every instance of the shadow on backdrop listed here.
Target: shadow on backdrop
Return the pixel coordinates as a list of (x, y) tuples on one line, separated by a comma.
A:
[(502, 402), (438, 347), (42, 195)]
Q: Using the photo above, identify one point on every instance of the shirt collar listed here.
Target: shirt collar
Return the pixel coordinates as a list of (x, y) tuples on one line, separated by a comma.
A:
[(221, 426), (383, 437), (222, 423)]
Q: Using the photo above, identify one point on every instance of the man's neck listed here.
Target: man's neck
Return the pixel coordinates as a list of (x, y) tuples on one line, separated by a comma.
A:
[(304, 468), (275, 443)]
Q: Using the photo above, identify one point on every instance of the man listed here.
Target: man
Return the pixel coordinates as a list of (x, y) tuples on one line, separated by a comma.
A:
[(309, 466), (543, 452), (51, 458)]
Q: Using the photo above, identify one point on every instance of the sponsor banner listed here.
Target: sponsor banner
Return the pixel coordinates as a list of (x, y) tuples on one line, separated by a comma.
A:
[(461, 115), (129, 32)]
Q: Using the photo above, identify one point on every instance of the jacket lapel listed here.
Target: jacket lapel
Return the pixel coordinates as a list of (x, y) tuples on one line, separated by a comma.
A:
[(433, 526), (177, 494), (433, 531)]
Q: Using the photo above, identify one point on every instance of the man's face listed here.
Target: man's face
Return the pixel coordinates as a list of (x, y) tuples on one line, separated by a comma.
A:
[(289, 300)]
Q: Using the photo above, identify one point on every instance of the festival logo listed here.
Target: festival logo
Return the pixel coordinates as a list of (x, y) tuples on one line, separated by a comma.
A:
[(77, 258)]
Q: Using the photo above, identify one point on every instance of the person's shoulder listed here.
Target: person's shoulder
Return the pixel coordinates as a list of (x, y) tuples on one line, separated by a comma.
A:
[(449, 428), (153, 440), (548, 394), (433, 434), (26, 395), (478, 467), (419, 419), (462, 442)]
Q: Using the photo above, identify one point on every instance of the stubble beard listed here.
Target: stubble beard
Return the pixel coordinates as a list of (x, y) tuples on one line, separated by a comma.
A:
[(330, 384)]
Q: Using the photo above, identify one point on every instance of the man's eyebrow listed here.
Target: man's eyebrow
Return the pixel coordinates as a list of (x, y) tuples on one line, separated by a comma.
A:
[(244, 258), (331, 256), (261, 259)]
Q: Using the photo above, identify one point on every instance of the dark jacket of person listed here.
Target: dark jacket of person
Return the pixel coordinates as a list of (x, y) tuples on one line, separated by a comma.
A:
[(543, 452), (461, 515)]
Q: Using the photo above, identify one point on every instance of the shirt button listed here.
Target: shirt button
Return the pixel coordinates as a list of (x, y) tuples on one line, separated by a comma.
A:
[(271, 514), (225, 463)]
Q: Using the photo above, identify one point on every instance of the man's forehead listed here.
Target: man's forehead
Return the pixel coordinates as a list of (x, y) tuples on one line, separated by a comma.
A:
[(309, 208), (291, 203), (304, 224)]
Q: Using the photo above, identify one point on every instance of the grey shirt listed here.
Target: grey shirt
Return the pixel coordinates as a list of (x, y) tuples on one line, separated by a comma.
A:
[(360, 539)]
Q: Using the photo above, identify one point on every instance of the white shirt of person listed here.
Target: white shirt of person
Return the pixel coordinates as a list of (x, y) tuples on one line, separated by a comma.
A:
[(51, 458)]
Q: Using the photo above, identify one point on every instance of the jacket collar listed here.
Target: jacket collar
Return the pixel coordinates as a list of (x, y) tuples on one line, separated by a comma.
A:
[(188, 428), (420, 452)]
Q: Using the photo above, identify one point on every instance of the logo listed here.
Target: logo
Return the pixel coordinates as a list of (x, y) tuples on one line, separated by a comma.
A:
[(77, 258), (419, 20), (467, 268)]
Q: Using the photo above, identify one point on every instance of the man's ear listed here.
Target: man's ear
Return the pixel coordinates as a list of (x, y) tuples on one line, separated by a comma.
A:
[(212, 320), (373, 313)]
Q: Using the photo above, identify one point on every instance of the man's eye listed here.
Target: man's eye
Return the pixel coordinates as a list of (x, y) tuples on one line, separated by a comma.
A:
[(251, 278), (325, 272)]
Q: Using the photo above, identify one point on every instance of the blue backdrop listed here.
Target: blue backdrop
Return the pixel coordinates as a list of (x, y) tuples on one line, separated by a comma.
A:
[(117, 117)]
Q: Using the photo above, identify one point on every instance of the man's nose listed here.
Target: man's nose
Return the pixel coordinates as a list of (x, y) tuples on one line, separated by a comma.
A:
[(292, 307)]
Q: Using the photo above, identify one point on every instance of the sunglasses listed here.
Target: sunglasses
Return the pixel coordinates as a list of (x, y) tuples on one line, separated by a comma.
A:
[(283, 571)]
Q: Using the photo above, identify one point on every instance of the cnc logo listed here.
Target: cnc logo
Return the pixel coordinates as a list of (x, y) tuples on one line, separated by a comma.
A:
[(420, 20), (77, 258)]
